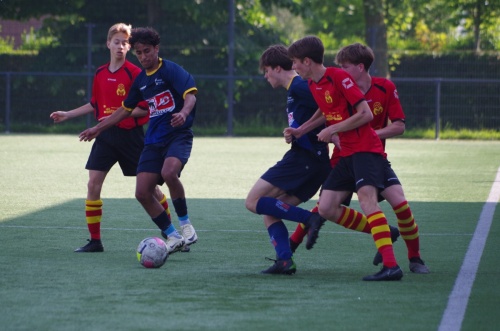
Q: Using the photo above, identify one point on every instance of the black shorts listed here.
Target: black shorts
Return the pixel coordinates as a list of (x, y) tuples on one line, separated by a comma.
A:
[(355, 171), (390, 177), (178, 145), (117, 145), (300, 173)]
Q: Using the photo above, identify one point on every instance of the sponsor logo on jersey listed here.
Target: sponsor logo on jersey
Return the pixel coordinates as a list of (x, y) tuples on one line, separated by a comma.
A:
[(161, 104), (347, 83), (290, 119), (335, 117)]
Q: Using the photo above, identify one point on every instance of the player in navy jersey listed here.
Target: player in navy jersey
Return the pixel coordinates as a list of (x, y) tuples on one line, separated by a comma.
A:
[(388, 121), (301, 171), (169, 91), (123, 142)]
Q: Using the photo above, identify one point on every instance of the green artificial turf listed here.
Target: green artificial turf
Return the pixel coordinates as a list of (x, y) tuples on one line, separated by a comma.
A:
[(44, 285)]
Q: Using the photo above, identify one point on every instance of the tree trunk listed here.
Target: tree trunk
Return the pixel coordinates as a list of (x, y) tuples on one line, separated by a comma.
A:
[(477, 27), (376, 36), (154, 11)]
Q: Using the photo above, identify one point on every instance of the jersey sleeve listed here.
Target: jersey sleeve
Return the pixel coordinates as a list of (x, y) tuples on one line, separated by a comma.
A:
[(346, 85), (181, 80), (395, 110)]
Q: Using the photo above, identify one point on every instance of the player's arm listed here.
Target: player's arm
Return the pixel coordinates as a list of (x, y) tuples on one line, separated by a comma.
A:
[(119, 115), (316, 120), (61, 116), (139, 112), (362, 116), (395, 128), (179, 118)]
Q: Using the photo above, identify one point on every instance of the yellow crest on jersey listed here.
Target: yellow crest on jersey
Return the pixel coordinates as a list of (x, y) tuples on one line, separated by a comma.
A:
[(377, 108), (121, 90), (328, 97)]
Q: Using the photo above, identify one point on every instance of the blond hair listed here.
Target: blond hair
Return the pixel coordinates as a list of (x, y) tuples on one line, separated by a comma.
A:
[(119, 27)]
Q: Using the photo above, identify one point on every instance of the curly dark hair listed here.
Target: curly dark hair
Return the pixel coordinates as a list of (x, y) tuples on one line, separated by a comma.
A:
[(146, 36)]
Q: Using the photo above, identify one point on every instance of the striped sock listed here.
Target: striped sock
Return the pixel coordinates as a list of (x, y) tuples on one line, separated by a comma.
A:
[(408, 229), (93, 215), (382, 237), (165, 206), (353, 220)]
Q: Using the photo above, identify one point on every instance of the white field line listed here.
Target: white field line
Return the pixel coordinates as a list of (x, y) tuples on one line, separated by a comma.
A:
[(459, 297)]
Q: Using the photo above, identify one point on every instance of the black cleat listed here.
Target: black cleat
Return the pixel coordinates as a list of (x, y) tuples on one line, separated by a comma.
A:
[(377, 259), (293, 245), (394, 273), (281, 267), (418, 266), (185, 249), (93, 246), (315, 223)]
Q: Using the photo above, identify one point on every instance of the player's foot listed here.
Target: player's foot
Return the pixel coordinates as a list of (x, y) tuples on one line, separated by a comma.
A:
[(418, 266), (315, 223), (174, 244), (293, 245), (189, 234), (93, 246), (394, 273), (394, 237), (185, 249), (281, 267)]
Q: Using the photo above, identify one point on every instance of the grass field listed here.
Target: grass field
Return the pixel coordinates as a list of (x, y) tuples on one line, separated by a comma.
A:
[(217, 286)]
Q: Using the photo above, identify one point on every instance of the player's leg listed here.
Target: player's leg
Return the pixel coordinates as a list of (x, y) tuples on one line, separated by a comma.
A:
[(278, 235), (177, 155), (381, 235), (329, 208), (408, 228), (144, 193), (100, 161), (300, 232), (162, 199), (171, 170), (93, 212)]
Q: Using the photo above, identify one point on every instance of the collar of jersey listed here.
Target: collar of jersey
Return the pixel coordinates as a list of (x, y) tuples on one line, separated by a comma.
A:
[(152, 72)]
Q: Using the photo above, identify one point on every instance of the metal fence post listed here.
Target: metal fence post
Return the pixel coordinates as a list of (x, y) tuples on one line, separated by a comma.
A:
[(7, 102), (438, 108), (230, 69)]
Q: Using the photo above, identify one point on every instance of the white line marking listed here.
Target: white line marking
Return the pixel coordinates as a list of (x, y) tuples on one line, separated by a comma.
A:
[(459, 297)]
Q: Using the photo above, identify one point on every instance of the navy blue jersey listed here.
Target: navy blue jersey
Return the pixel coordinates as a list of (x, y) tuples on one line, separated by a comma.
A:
[(164, 90), (300, 107)]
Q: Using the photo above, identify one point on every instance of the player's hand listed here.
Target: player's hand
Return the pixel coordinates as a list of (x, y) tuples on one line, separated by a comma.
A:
[(325, 135), (89, 134), (289, 133), (178, 119), (59, 116)]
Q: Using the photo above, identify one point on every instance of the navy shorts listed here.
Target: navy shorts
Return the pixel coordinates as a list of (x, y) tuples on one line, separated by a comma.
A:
[(117, 145), (355, 171), (178, 145), (300, 173)]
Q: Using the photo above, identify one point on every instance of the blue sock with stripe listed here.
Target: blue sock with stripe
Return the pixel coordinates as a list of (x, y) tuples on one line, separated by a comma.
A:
[(279, 209)]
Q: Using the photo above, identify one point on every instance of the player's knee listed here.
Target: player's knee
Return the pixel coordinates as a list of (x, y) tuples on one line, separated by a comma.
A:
[(251, 204), (141, 196)]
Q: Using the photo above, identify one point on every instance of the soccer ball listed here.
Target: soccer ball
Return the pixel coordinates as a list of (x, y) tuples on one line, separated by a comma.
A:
[(152, 252)]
